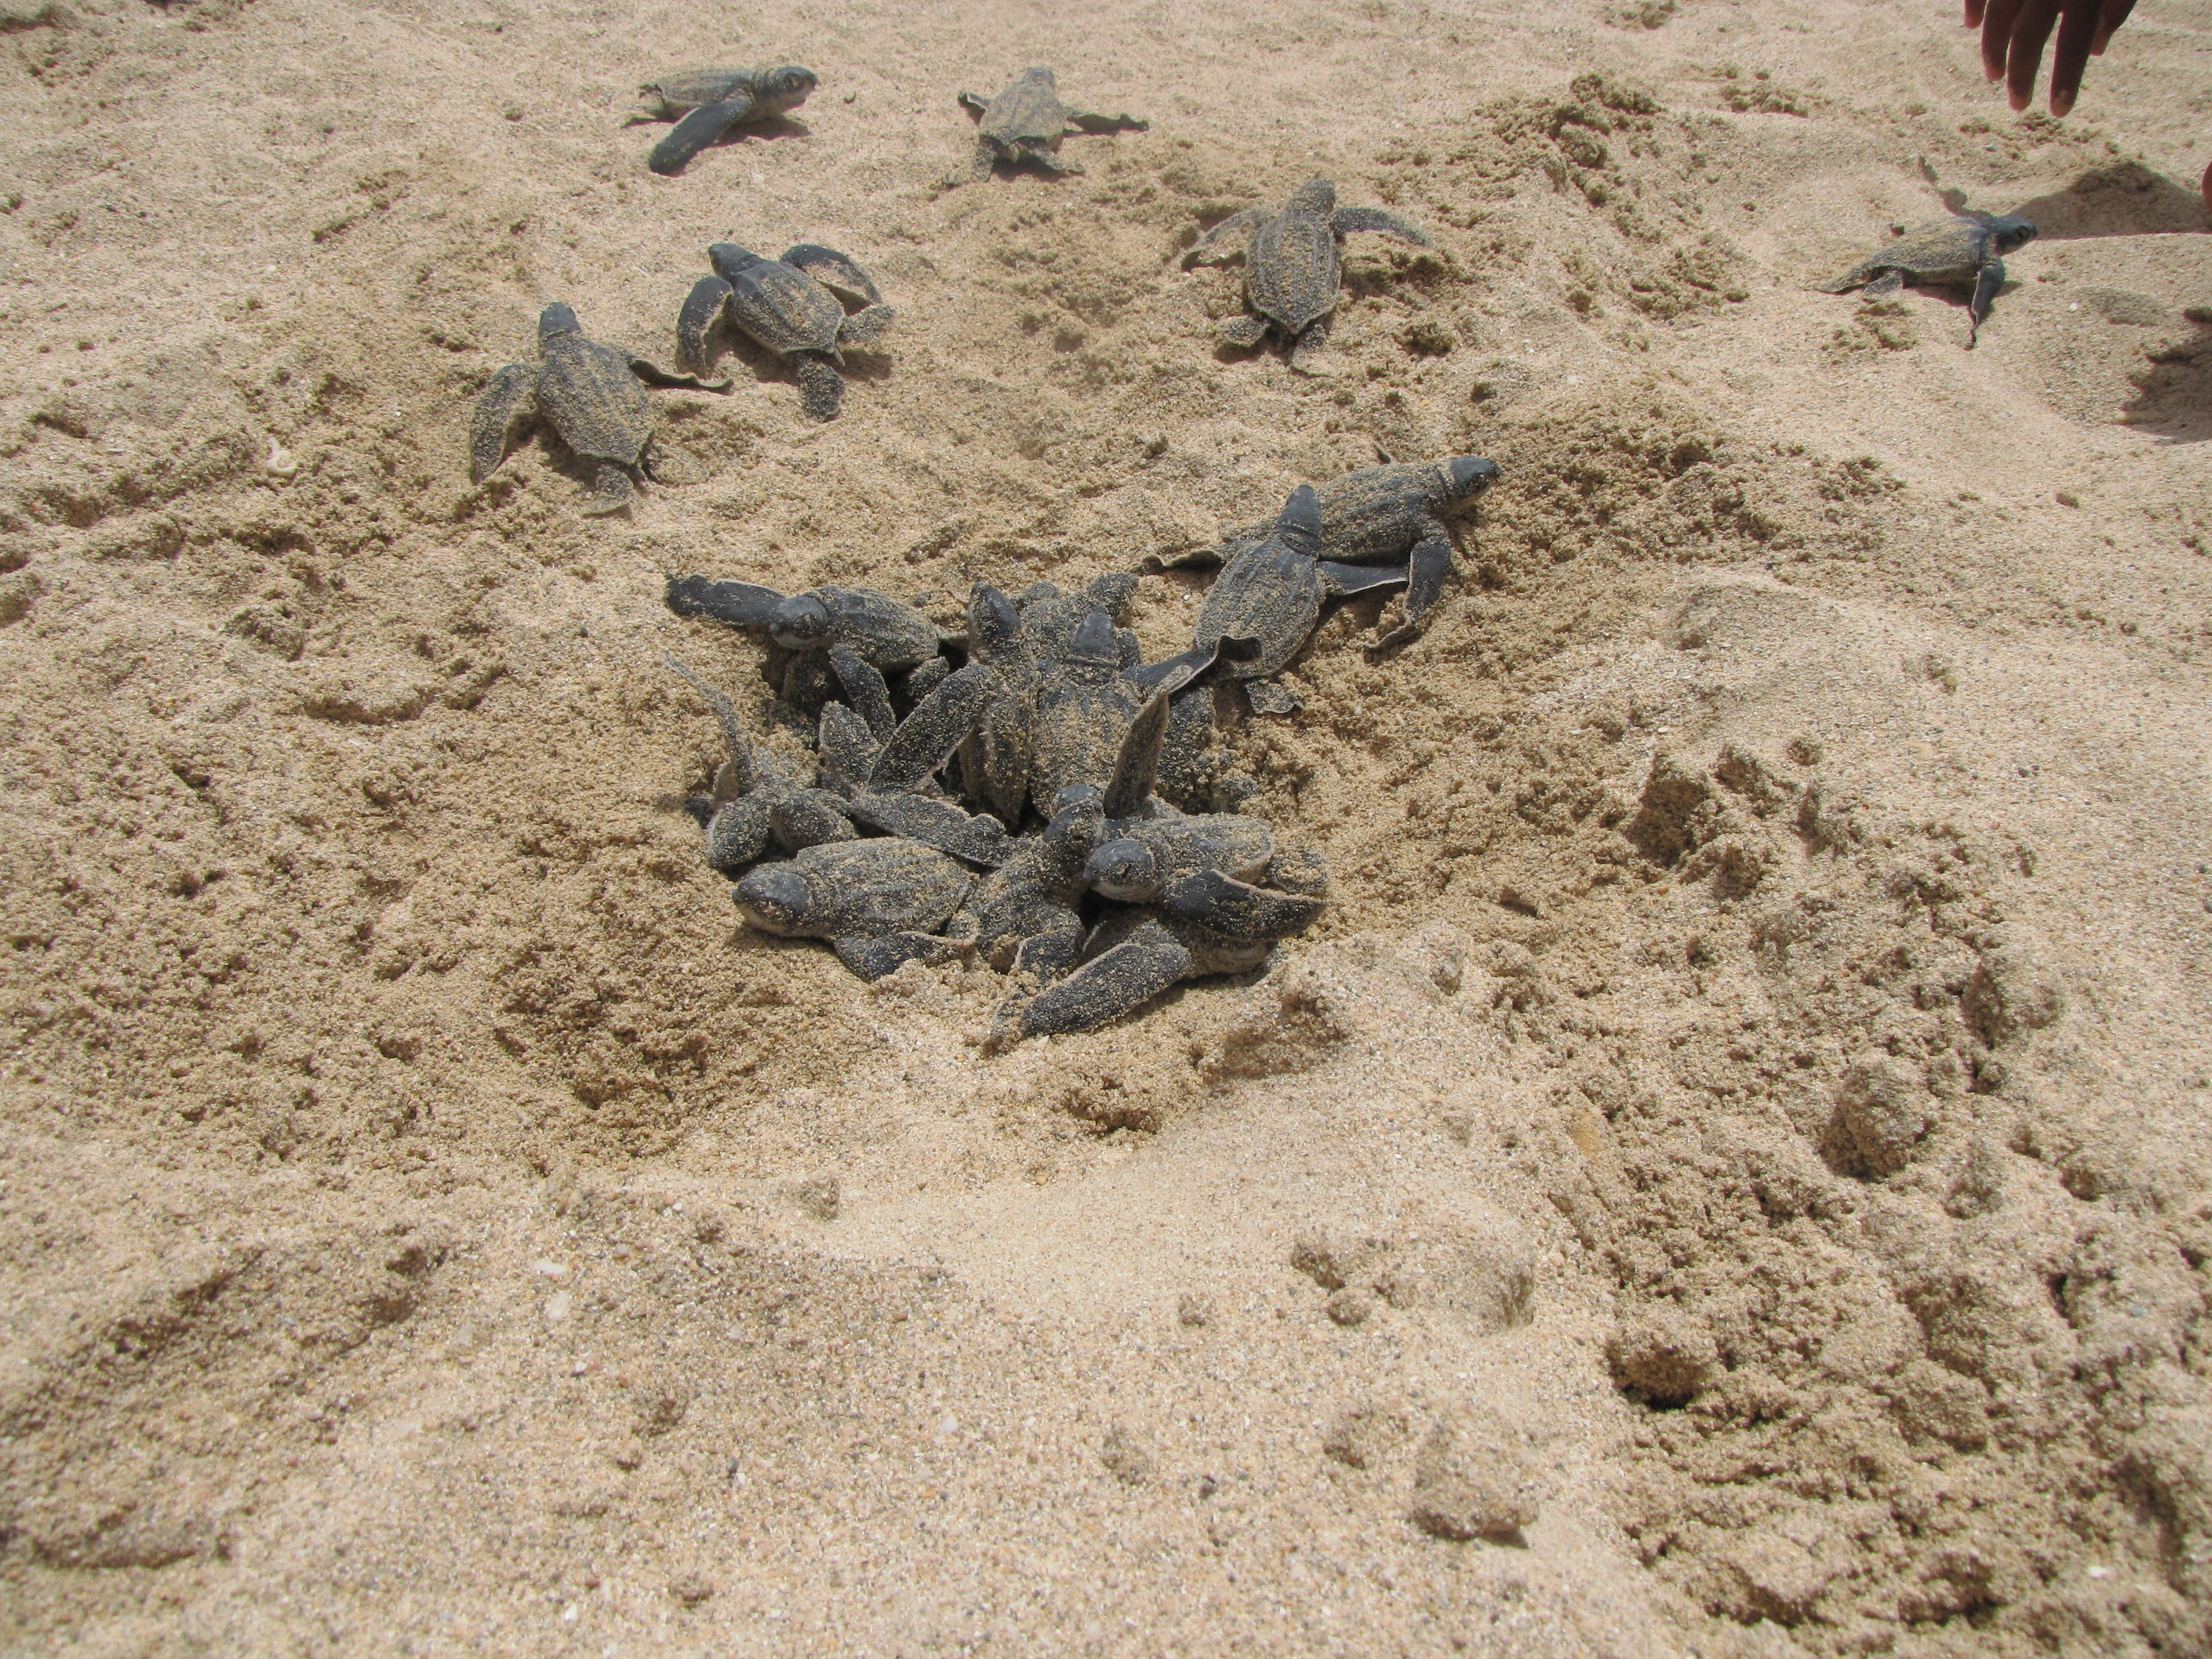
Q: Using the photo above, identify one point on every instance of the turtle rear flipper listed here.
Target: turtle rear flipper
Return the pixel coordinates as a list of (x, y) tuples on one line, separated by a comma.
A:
[(1243, 330), (506, 397), (821, 388), (1347, 221), (612, 491), (1306, 350), (834, 271), (702, 308), (872, 959), (700, 128), (1084, 120), (1117, 982)]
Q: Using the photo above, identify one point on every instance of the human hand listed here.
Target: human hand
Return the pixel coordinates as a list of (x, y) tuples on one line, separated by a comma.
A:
[(2014, 32)]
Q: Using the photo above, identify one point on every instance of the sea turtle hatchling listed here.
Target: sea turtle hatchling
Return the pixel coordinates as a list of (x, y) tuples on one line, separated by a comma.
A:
[(1384, 515), (1958, 249), (591, 394), (1026, 122), (1294, 268), (791, 305), (710, 101), (864, 637), (1262, 608), (880, 903)]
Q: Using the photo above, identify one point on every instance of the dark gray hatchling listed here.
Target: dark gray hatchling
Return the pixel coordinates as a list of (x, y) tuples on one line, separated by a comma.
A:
[(1262, 608), (1024, 125), (711, 102), (870, 641), (880, 903), (1208, 923), (1293, 267), (591, 396), (1384, 515), (791, 306), (1957, 250)]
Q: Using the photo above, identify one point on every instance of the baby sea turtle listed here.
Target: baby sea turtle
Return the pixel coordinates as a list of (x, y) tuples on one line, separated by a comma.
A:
[(1958, 249), (1383, 515), (1293, 267), (713, 101), (1026, 122), (792, 306), (1262, 608), (1208, 923), (864, 637), (880, 903), (590, 395)]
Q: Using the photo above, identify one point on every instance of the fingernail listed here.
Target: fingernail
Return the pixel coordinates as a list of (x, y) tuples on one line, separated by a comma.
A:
[(2017, 101), (2061, 107)]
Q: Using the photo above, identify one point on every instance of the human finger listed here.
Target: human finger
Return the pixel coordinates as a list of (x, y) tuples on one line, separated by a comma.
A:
[(1973, 13), (2077, 28), (2031, 32), (2115, 14), (1996, 33)]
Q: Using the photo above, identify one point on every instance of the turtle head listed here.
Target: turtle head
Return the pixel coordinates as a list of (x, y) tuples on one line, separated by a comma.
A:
[(800, 623), (1124, 869), (774, 899), (1095, 644), (1039, 72), (1078, 817), (2011, 232), (992, 621), (1466, 477), (728, 260), (786, 88), (557, 318), (1317, 196)]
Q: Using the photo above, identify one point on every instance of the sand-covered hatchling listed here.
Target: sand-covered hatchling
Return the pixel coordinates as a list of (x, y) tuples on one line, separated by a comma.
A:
[(1024, 125), (869, 640), (590, 394), (1293, 267), (880, 901), (794, 307), (706, 103), (1402, 512), (1262, 608), (1955, 251)]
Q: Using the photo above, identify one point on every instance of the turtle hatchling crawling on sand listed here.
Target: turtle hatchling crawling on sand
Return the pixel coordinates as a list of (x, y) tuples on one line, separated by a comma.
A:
[(1962, 248), (710, 101), (1293, 267), (1026, 122), (792, 306), (591, 394)]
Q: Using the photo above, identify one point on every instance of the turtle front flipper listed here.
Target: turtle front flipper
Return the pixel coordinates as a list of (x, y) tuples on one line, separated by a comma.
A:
[(1118, 982), (743, 762), (1084, 120), (1891, 280), (1137, 762), (821, 388), (1226, 237), (971, 103), (1237, 909), (1346, 220), (736, 604), (834, 271), (1987, 282), (1306, 350), (653, 375), (1854, 277), (926, 738), (1425, 571), (1247, 332), (1046, 957), (872, 959), (980, 839), (1345, 580), (847, 747), (864, 328), (506, 397), (863, 684), (700, 128), (702, 308), (612, 491)]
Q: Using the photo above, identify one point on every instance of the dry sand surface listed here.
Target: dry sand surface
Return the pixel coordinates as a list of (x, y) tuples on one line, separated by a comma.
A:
[(1737, 1145)]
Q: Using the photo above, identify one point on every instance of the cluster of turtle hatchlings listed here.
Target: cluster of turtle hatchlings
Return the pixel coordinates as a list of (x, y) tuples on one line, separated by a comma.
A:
[(1029, 791)]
